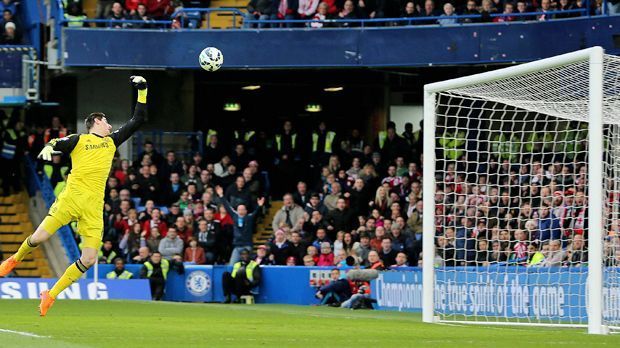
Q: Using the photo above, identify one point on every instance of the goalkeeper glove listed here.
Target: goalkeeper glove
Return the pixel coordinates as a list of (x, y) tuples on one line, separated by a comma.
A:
[(139, 83), (47, 152)]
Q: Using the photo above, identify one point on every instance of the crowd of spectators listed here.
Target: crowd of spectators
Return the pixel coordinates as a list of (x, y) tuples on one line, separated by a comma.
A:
[(320, 13), (10, 27), (341, 197)]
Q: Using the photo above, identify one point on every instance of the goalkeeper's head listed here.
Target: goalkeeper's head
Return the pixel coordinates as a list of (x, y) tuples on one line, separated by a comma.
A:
[(97, 123)]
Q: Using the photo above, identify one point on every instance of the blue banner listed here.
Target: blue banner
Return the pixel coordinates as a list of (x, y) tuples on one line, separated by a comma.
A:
[(555, 294), (85, 289), (346, 47)]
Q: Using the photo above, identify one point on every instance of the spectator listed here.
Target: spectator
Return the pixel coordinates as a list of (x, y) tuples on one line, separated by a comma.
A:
[(297, 248), (327, 257), (321, 237), (307, 9), (284, 9), (348, 12), (522, 10), (336, 291), (159, 9), (279, 248), (448, 17), (155, 221), (428, 11), (143, 256), (409, 10), (207, 235), (401, 260), (302, 196), (117, 14), (545, 7), (362, 248), (108, 253), (194, 253), (104, 7), (119, 271), (320, 15), (156, 271), (555, 256), (486, 11), (375, 243), (288, 215), (387, 254), (339, 219), (330, 201), (471, 9), (577, 254), (171, 245), (508, 10), (154, 239), (315, 204), (245, 276), (309, 261), (9, 37), (259, 10), (374, 261), (243, 225), (75, 17), (261, 256)]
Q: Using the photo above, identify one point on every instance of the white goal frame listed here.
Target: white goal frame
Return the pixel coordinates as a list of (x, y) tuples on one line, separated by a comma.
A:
[(594, 56)]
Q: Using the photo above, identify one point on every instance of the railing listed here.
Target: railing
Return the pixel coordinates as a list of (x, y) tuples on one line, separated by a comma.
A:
[(431, 20), (40, 182), (164, 141), (191, 15)]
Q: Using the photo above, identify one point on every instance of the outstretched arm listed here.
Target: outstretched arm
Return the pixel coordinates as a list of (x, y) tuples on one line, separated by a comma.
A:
[(59, 145), (139, 114)]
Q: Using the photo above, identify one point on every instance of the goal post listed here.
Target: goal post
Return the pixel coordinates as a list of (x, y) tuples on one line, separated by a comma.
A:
[(539, 141)]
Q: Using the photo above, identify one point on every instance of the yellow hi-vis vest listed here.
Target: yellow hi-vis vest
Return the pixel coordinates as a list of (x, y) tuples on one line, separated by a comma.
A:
[(279, 141), (545, 142), (165, 267), (536, 259), (249, 270), (246, 137), (329, 139), (505, 147), (382, 136), (453, 144), (125, 275), (210, 133)]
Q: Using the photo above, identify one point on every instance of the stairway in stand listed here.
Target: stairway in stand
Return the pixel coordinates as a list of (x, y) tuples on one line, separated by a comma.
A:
[(224, 19), (15, 226), (263, 230)]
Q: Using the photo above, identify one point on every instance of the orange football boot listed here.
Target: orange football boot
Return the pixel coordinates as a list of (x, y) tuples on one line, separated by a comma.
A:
[(46, 302)]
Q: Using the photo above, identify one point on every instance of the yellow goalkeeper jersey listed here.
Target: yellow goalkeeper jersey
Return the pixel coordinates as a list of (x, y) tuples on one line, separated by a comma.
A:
[(92, 155)]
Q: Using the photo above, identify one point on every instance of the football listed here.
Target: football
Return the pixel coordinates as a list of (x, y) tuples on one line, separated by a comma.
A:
[(211, 59)]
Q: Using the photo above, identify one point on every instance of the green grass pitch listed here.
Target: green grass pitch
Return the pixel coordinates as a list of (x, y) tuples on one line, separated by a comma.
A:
[(160, 324)]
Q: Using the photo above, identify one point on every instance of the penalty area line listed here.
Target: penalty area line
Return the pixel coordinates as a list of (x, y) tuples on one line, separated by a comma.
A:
[(21, 333)]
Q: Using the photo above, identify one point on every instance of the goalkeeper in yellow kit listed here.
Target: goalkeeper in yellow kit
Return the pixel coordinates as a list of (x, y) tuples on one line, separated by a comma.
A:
[(82, 199)]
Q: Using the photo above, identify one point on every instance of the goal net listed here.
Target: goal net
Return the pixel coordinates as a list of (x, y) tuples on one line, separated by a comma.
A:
[(522, 167)]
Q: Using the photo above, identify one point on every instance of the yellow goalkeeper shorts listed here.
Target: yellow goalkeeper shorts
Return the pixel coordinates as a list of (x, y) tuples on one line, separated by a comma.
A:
[(86, 209)]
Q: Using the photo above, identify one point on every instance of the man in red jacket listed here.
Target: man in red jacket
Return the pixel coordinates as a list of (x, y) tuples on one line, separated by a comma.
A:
[(159, 9)]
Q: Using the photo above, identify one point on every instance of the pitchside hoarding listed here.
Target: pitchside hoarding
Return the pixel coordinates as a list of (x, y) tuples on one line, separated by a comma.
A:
[(557, 294), (29, 288)]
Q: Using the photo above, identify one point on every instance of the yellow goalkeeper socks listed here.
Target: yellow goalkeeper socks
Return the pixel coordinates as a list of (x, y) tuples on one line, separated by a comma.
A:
[(142, 95), (73, 273), (24, 249)]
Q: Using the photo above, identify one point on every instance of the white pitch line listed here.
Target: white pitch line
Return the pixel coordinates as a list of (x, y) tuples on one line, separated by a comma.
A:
[(446, 324), (21, 333)]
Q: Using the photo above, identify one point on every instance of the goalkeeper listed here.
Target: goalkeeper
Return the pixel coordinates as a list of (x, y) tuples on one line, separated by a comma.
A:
[(82, 199)]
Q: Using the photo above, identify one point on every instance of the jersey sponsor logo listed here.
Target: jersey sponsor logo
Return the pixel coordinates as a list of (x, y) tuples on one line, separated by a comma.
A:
[(198, 283), (96, 146)]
